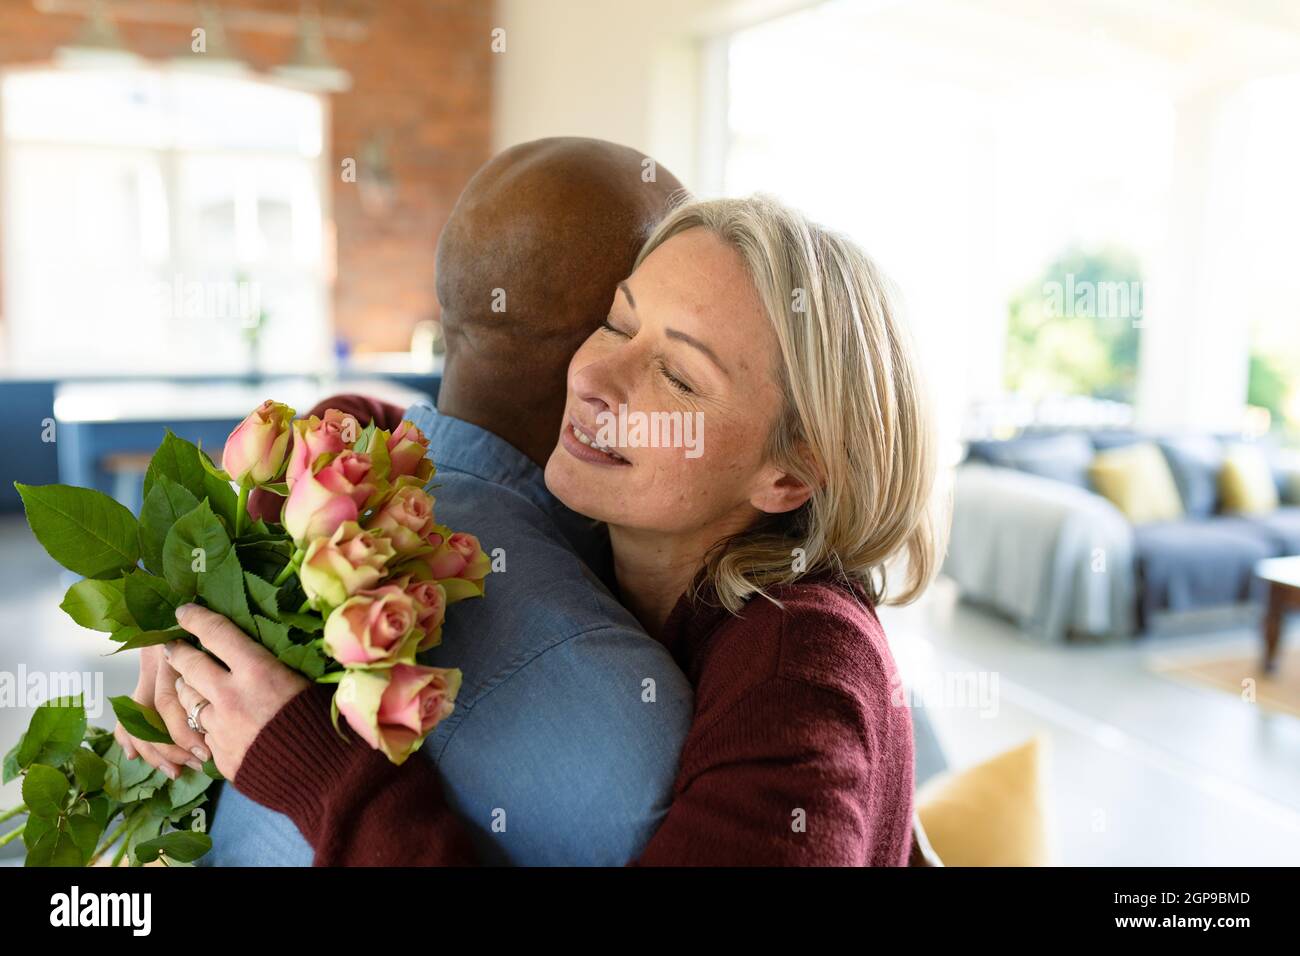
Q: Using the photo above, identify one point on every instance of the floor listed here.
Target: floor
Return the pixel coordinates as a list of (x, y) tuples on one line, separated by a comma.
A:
[(1142, 770)]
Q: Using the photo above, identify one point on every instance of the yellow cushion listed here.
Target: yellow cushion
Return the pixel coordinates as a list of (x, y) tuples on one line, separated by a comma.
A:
[(1246, 482), (1137, 480), (991, 814)]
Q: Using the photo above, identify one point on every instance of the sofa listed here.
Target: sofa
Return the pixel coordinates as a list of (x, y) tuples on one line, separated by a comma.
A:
[(1034, 539)]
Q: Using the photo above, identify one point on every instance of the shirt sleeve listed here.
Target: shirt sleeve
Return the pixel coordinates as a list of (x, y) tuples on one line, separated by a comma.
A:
[(762, 786), (352, 804)]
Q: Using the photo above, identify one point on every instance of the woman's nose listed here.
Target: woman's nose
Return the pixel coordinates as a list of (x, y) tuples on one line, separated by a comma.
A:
[(595, 385)]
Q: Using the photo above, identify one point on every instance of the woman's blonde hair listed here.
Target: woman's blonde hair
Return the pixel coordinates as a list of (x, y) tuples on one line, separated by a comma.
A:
[(855, 423)]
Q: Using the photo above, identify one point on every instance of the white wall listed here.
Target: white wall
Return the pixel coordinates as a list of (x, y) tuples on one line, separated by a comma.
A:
[(623, 70)]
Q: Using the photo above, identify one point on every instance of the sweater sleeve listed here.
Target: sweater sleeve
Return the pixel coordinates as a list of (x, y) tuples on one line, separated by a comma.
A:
[(784, 777), (350, 802)]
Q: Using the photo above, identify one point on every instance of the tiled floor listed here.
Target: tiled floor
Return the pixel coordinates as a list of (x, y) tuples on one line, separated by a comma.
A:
[(1142, 770)]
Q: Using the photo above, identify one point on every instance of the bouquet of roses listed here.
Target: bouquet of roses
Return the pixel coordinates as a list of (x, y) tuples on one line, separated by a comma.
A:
[(347, 587)]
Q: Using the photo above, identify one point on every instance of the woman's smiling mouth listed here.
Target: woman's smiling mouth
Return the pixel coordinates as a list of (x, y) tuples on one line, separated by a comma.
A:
[(580, 444)]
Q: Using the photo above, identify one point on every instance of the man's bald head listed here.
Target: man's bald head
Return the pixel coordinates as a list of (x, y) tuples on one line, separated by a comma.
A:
[(544, 231)]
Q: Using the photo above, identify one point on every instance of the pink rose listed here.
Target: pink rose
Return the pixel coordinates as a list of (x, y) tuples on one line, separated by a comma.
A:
[(337, 567), (457, 563), (255, 451), (313, 437), (314, 511), (430, 608), (406, 518), (373, 627), (407, 448), (394, 709), (350, 473)]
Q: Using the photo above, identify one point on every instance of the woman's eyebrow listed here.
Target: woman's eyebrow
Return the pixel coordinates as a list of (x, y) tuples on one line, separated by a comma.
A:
[(681, 336), (691, 340)]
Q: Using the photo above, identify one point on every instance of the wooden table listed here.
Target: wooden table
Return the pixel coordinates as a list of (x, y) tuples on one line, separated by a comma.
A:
[(1283, 578)]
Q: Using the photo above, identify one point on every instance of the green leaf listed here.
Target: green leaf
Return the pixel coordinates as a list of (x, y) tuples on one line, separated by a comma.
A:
[(54, 734), (44, 790), (209, 467), (125, 775), (196, 534), (263, 595), (140, 721), (187, 786), (185, 846), (210, 768), (310, 623), (165, 504), (98, 605), (222, 587), (36, 828), (273, 635), (85, 531), (55, 848), (85, 833), (306, 659), (151, 601), (11, 768), (89, 770), (140, 639), (178, 460), (185, 464)]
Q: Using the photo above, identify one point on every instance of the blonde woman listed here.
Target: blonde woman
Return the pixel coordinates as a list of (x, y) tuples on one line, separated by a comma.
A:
[(756, 552), (758, 562)]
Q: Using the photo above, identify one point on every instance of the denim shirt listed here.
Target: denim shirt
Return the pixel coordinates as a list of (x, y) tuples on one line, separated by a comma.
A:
[(563, 745)]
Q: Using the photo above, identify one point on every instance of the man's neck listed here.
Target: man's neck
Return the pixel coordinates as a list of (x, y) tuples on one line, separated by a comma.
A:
[(502, 412)]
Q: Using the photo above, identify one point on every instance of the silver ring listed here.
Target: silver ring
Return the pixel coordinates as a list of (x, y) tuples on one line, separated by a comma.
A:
[(193, 718)]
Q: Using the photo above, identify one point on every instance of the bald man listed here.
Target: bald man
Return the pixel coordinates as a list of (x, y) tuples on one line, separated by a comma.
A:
[(564, 742)]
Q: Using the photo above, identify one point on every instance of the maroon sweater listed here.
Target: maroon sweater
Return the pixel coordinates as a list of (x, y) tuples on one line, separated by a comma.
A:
[(797, 753)]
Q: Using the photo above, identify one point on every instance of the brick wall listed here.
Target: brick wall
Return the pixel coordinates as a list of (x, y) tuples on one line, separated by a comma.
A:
[(421, 79)]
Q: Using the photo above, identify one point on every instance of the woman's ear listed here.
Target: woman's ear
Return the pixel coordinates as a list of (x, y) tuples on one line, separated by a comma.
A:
[(780, 492)]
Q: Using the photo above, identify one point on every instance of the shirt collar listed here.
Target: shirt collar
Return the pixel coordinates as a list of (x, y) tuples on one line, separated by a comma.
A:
[(458, 445)]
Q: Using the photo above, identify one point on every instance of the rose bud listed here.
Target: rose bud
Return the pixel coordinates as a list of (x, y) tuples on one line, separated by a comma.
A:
[(350, 473), (430, 608), (313, 437), (457, 563), (373, 627), (313, 511), (407, 448), (256, 450), (337, 567), (406, 518), (395, 709)]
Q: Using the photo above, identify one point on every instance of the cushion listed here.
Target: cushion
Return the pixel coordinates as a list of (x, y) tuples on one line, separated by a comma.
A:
[(1058, 457), (1246, 481), (1137, 480), (991, 814), (1195, 461)]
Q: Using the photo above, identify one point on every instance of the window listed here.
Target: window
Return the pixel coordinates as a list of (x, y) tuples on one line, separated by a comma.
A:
[(161, 221), (975, 156)]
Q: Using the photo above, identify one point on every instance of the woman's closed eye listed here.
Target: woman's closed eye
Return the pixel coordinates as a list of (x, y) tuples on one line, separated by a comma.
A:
[(673, 380), (608, 326)]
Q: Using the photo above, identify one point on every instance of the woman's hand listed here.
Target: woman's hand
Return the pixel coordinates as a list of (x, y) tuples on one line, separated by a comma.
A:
[(238, 699), (158, 691)]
